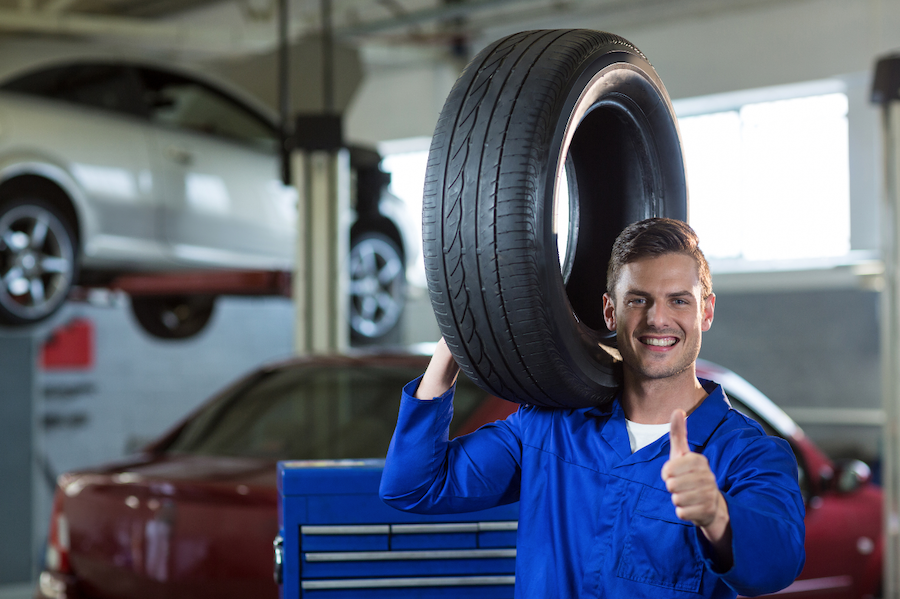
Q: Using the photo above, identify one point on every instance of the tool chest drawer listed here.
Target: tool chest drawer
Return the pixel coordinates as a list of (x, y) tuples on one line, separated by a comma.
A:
[(339, 540)]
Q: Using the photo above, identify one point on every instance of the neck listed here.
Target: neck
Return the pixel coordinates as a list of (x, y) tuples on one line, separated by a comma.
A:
[(652, 401)]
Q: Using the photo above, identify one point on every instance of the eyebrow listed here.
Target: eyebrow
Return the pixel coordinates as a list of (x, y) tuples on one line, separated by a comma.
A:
[(640, 293)]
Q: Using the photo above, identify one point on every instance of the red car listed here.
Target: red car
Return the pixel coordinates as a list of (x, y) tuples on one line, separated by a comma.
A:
[(195, 514)]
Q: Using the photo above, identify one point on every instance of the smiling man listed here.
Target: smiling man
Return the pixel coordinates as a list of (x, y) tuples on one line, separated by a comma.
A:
[(665, 491)]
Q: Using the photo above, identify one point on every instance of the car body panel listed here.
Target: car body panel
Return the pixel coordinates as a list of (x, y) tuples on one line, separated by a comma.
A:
[(227, 206), (115, 174), (169, 527), (24, 163), (842, 533)]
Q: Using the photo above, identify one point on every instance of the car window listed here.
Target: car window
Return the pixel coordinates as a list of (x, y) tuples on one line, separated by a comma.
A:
[(310, 413), (179, 102), (106, 86)]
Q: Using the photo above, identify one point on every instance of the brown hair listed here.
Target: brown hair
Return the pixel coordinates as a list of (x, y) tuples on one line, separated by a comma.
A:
[(654, 237)]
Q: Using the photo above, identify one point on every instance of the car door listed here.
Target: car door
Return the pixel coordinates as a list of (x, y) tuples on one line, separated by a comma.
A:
[(842, 532), (88, 118), (225, 204)]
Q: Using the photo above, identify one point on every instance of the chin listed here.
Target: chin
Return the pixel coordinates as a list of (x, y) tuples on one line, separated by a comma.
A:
[(662, 371)]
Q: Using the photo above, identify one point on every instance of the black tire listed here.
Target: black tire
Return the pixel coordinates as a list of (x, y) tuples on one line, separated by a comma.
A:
[(522, 323), (377, 287), (173, 316), (38, 260)]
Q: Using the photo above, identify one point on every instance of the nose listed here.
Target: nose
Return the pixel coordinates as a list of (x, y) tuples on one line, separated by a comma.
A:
[(658, 315)]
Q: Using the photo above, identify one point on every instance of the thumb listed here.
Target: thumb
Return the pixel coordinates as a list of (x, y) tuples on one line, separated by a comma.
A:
[(678, 444)]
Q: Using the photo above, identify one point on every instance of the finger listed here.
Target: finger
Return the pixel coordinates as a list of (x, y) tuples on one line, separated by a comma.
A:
[(693, 479), (678, 444), (696, 496), (686, 464), (697, 508)]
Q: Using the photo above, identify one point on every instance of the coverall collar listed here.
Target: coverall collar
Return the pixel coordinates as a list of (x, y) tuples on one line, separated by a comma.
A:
[(701, 424)]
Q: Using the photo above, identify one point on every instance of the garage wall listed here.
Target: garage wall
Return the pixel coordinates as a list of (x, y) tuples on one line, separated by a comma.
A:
[(808, 349), (400, 101)]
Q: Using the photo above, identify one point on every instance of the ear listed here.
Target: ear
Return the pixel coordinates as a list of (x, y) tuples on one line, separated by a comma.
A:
[(709, 308), (609, 312)]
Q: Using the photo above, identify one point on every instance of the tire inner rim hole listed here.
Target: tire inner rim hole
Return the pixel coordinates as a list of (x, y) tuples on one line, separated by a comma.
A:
[(608, 184)]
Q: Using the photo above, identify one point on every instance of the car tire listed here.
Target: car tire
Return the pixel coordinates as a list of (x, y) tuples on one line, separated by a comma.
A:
[(173, 316), (38, 260), (377, 288), (523, 316)]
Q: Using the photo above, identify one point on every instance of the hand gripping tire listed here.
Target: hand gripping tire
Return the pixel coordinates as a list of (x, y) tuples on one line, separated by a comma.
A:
[(524, 318)]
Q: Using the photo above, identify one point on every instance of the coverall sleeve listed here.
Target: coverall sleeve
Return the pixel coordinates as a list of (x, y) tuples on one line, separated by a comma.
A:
[(426, 473), (766, 512)]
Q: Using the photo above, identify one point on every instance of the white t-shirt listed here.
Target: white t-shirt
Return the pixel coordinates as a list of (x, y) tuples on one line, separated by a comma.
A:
[(641, 435)]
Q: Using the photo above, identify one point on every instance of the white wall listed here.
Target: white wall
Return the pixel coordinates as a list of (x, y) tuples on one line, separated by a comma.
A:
[(399, 101)]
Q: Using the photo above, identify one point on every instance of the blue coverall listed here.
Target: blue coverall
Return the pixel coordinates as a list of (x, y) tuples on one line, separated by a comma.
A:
[(596, 520)]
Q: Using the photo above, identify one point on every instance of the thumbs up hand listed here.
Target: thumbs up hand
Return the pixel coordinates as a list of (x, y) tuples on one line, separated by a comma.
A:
[(693, 486)]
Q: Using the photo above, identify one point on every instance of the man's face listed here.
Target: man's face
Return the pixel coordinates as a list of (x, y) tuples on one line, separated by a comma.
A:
[(659, 315)]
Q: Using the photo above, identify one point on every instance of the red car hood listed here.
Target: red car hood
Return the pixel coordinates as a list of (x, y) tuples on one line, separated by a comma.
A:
[(173, 526), (186, 472)]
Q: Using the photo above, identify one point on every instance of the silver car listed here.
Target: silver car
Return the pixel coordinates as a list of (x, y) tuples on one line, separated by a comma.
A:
[(111, 167)]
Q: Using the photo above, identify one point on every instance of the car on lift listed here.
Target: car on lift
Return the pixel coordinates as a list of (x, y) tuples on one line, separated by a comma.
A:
[(195, 513), (114, 166)]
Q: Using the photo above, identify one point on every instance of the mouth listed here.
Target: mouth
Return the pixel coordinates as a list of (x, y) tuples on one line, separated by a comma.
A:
[(659, 341)]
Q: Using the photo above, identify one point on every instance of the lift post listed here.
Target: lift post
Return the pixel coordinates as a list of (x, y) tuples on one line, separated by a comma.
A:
[(319, 167), (321, 172), (886, 92)]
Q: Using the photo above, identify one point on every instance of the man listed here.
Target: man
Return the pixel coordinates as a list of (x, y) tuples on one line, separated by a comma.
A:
[(665, 492)]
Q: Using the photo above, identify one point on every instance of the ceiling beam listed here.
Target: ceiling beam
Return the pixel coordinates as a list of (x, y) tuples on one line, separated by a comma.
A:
[(57, 5), (180, 36), (438, 13)]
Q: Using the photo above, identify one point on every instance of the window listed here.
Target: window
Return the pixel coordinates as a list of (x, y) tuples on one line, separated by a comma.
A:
[(110, 87), (406, 164), (321, 412), (179, 102), (770, 180)]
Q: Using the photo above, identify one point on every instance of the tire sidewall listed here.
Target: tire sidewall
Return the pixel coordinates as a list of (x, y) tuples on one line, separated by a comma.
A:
[(578, 343)]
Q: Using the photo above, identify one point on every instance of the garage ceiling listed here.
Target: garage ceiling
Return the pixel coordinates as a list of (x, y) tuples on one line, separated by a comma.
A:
[(235, 26)]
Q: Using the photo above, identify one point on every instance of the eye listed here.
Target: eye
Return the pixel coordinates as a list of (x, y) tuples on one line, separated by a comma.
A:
[(636, 301)]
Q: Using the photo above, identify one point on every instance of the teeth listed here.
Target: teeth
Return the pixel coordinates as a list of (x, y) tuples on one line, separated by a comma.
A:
[(659, 342)]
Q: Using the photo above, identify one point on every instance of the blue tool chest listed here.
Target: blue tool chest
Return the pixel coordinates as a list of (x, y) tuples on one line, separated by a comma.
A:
[(339, 540)]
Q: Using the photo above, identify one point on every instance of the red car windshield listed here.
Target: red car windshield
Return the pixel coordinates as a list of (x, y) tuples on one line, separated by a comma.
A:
[(310, 412)]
